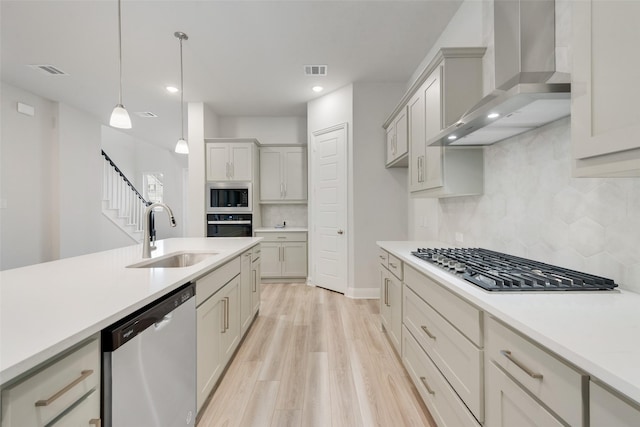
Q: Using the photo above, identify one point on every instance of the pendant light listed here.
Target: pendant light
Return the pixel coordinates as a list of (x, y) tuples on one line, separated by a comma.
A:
[(181, 146), (119, 117)]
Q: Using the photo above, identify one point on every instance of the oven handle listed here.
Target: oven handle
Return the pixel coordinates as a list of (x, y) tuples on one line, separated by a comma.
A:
[(247, 222)]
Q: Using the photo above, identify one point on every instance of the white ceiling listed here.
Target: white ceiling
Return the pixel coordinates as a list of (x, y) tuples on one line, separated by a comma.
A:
[(243, 58)]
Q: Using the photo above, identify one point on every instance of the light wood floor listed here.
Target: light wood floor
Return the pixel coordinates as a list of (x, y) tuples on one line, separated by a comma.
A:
[(315, 358)]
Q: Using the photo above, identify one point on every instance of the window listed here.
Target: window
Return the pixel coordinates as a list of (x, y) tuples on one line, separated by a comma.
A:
[(153, 186)]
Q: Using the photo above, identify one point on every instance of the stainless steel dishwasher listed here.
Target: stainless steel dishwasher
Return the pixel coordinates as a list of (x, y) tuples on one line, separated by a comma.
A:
[(149, 365)]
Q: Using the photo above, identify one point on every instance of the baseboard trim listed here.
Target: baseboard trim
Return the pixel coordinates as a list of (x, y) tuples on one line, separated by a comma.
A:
[(363, 293)]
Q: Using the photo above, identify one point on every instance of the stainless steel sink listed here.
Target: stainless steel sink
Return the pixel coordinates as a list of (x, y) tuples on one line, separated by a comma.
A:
[(174, 260)]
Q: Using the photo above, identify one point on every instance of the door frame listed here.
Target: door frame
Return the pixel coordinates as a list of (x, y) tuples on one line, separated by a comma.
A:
[(347, 202)]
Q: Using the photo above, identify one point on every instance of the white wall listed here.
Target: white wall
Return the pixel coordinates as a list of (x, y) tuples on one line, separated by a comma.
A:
[(267, 130), (26, 185), (379, 195)]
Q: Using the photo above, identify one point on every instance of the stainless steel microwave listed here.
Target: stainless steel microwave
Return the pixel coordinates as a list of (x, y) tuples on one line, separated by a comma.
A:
[(229, 197)]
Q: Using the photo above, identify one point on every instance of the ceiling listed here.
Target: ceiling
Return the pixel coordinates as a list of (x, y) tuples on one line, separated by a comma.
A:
[(243, 58)]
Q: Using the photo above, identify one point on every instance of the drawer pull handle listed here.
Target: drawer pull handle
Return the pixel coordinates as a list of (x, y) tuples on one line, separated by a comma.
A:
[(382, 258), (96, 422), (393, 265), (84, 374), (507, 354), (426, 331), (282, 237), (426, 385)]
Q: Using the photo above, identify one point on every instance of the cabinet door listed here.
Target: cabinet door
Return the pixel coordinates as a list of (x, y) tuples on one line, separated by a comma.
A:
[(86, 413), (255, 286), (433, 125), (416, 141), (385, 303), (391, 143), (604, 89), (231, 336), (401, 141), (510, 406), (395, 300), (240, 159), (217, 162), (606, 409), (294, 259), (210, 324), (271, 185), (246, 291), (271, 257), (295, 173)]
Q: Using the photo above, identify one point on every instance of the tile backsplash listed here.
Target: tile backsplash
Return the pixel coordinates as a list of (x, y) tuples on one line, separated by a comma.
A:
[(532, 207), (294, 215)]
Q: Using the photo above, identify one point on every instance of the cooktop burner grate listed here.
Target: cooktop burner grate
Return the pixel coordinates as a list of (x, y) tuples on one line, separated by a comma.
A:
[(495, 271)]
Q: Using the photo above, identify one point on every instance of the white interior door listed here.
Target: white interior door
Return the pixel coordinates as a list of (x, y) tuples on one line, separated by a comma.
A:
[(329, 209)]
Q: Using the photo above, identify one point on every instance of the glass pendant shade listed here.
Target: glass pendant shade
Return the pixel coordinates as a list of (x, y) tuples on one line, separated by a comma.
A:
[(120, 118), (182, 147)]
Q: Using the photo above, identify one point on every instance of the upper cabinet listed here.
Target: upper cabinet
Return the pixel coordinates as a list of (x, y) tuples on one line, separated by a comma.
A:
[(230, 161), (397, 140), (448, 87), (283, 174), (605, 124)]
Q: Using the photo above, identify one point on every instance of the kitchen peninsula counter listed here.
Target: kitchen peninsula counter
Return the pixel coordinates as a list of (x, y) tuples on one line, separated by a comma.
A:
[(596, 331), (47, 308)]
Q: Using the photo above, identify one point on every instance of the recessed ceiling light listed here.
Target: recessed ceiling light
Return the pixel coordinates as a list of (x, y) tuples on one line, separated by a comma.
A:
[(493, 115), (172, 89), (452, 137), (317, 88)]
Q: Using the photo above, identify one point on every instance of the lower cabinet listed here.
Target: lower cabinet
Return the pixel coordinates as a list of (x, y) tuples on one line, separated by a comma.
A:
[(65, 392), (608, 410), (246, 291), (391, 297), (255, 278), (284, 254), (218, 325)]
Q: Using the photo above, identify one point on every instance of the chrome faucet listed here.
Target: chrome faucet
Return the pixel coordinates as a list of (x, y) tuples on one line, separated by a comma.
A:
[(146, 239)]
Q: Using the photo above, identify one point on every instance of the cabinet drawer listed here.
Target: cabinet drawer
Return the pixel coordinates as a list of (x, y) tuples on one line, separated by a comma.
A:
[(291, 236), (462, 315), (383, 257), (395, 266), (255, 253), (554, 383), (55, 388), (444, 404), (607, 409), (457, 358), (212, 282)]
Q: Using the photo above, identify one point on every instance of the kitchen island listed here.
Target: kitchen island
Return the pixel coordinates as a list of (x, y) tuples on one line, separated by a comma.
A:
[(47, 308)]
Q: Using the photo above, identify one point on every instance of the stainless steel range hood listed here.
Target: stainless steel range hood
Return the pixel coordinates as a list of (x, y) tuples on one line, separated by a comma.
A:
[(530, 92)]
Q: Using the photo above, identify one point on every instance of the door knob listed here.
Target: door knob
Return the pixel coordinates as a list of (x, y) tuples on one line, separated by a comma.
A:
[(340, 231)]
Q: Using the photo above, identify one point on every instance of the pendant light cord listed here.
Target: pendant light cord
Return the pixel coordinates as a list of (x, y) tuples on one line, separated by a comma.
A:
[(181, 94), (120, 50)]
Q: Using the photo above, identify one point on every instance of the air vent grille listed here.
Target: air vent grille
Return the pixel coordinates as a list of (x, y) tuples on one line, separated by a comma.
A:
[(49, 69), (315, 70), (147, 114)]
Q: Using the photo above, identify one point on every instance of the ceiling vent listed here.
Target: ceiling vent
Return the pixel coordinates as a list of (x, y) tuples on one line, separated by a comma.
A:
[(147, 114), (315, 70), (49, 70)]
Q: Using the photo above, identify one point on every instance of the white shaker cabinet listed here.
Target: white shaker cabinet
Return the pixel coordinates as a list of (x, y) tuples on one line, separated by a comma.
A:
[(605, 124), (391, 297), (283, 174), (283, 254), (397, 140), (449, 86), (256, 278), (608, 409), (246, 291), (65, 392), (229, 161)]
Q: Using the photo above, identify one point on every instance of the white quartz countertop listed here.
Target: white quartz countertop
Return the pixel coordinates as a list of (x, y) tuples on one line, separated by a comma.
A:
[(47, 308), (279, 230), (598, 332)]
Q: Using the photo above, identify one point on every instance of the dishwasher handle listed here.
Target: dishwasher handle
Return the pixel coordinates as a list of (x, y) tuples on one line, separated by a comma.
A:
[(156, 314)]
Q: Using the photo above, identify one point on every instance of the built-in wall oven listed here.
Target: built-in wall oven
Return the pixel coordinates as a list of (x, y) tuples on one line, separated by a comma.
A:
[(229, 197), (229, 225)]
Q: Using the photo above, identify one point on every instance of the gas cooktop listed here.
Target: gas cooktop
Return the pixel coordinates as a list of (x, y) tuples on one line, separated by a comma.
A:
[(495, 271)]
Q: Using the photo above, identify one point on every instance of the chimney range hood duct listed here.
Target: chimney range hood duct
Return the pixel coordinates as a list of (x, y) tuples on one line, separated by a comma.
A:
[(530, 93)]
